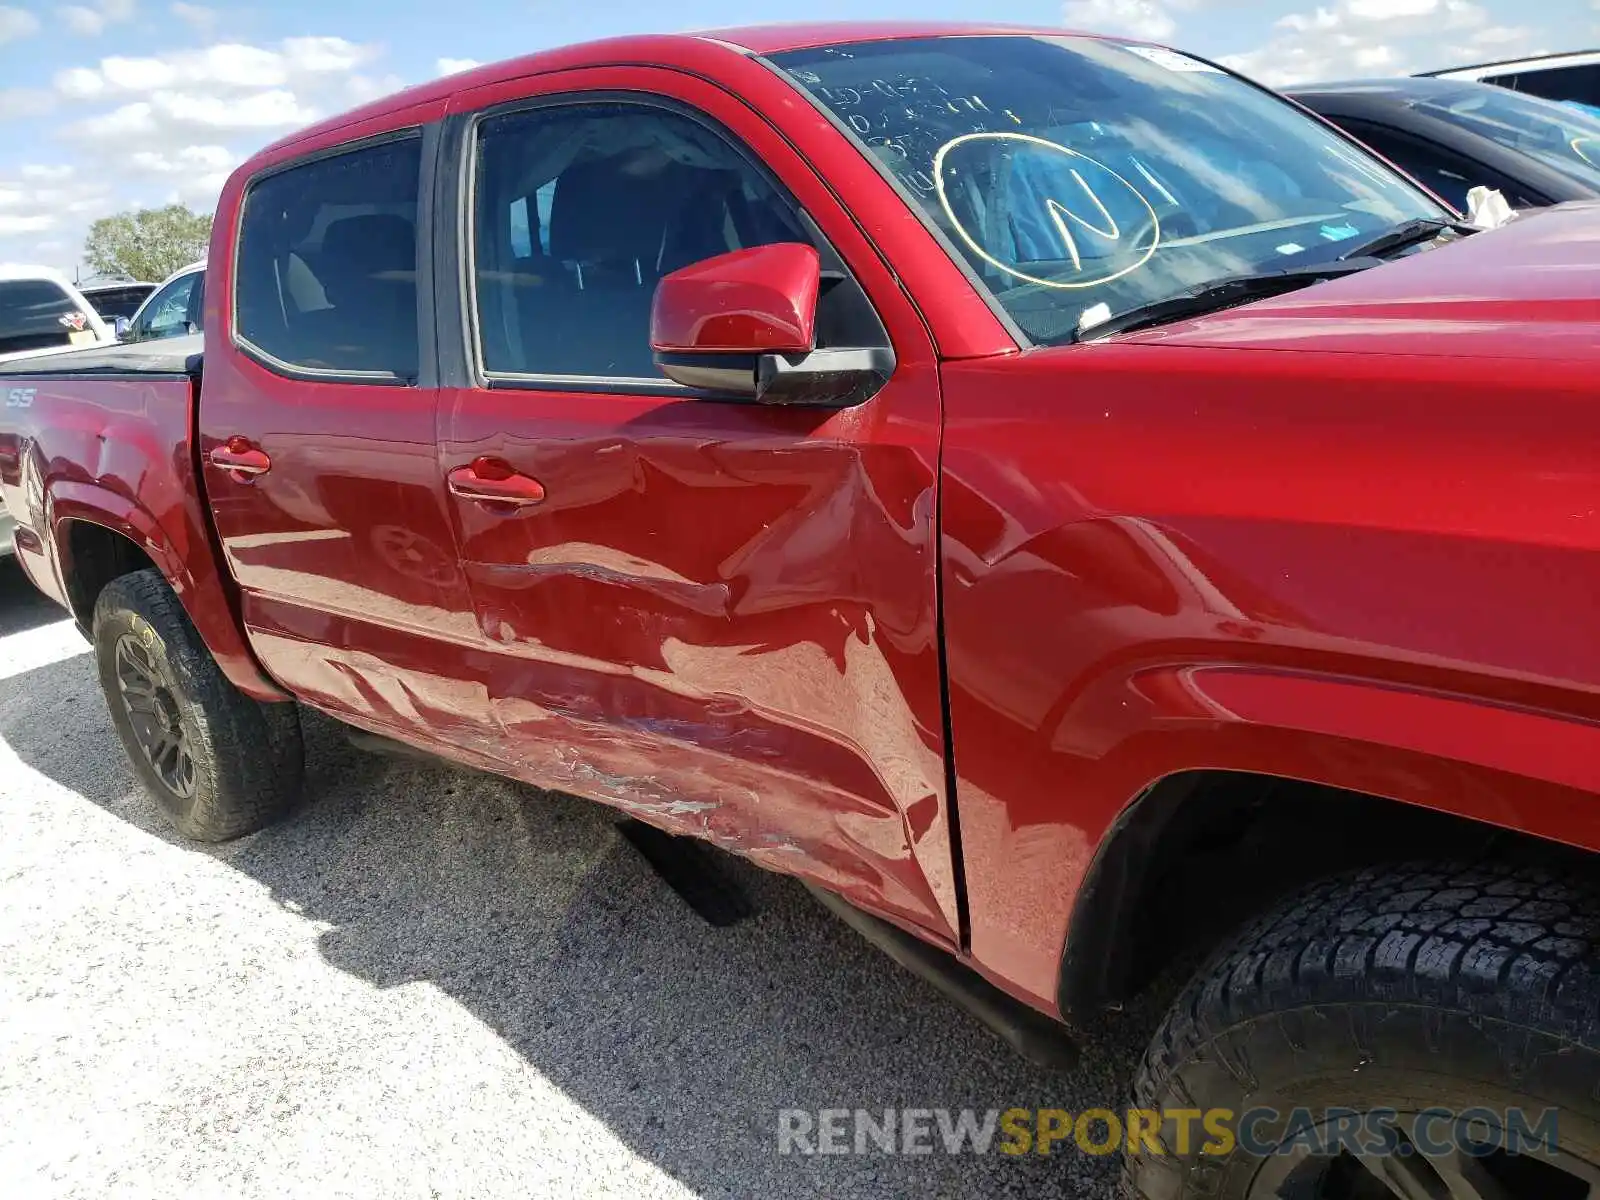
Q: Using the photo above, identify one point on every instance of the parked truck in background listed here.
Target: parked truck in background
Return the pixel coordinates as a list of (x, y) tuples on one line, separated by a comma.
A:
[(1079, 513), (41, 312)]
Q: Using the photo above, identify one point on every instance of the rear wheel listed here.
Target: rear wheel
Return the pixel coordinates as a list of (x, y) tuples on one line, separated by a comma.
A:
[(1403, 1033), (218, 763)]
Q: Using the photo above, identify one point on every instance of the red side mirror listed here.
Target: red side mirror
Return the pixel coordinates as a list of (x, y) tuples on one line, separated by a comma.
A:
[(757, 301), (743, 326)]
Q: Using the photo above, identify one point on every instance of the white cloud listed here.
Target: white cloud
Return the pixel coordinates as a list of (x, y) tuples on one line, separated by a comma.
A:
[(190, 158), (25, 102), (79, 83), (232, 65), (195, 173), (166, 126), (136, 74), (15, 23), (227, 65), (1503, 35), (1494, 42), (1390, 10), (197, 16), (261, 110), (189, 116), (91, 21), (33, 223), (1143, 18), (46, 197), (1373, 37), (83, 20), (454, 66), (316, 54), (171, 117), (360, 89)]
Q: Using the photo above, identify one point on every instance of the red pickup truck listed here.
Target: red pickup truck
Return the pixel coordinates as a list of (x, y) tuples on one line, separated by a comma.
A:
[(1085, 516)]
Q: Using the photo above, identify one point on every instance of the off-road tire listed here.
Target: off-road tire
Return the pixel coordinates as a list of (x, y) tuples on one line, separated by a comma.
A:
[(1474, 985), (247, 756)]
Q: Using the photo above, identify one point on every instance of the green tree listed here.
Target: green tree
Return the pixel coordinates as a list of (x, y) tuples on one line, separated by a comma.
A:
[(149, 243)]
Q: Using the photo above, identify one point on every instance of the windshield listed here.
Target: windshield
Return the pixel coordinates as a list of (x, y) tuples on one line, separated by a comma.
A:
[(1563, 136), (174, 311), (1084, 178), (36, 314)]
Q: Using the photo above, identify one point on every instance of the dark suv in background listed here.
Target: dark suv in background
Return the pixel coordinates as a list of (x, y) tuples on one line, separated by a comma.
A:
[(1454, 135), (118, 299)]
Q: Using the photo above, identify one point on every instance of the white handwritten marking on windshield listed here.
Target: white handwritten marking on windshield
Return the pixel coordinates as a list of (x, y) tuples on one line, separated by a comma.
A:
[(1060, 213)]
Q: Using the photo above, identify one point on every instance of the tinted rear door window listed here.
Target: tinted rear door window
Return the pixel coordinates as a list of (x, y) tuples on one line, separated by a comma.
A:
[(120, 302), (327, 271)]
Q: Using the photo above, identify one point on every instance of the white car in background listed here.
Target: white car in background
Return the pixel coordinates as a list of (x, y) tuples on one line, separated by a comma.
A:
[(173, 309), (41, 312), (1574, 78)]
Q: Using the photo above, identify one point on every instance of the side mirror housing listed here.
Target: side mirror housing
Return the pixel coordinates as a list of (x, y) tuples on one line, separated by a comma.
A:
[(743, 325), (761, 300)]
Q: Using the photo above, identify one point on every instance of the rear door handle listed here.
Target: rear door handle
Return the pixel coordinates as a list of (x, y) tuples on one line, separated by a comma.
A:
[(493, 481), (241, 459)]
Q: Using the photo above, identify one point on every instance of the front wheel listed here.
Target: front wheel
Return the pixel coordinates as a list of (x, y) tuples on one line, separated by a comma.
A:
[(1419, 1033), (218, 763)]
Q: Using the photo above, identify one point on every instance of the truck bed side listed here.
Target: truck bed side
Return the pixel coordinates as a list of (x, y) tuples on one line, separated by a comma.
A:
[(98, 466)]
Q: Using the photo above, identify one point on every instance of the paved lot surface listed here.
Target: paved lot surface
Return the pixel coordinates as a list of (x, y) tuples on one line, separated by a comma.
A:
[(430, 983)]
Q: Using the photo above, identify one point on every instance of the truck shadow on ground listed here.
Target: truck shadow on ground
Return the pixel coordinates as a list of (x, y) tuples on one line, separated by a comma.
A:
[(533, 913), (22, 606)]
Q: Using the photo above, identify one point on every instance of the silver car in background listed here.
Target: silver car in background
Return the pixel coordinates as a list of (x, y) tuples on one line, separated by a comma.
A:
[(173, 309)]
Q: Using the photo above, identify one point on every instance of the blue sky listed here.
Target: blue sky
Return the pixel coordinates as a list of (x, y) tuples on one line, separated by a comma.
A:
[(110, 104)]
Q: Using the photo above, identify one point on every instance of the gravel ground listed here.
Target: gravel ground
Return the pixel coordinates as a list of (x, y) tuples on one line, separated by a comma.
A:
[(433, 983)]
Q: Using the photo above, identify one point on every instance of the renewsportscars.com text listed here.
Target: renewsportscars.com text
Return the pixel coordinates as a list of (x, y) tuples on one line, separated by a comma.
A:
[(1217, 1131)]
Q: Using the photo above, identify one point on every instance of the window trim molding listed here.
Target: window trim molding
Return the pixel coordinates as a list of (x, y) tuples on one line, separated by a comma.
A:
[(296, 371), (462, 139), (622, 385)]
